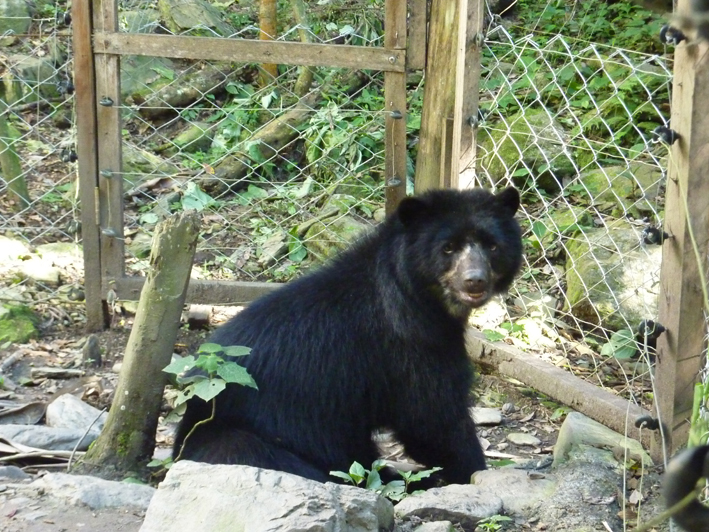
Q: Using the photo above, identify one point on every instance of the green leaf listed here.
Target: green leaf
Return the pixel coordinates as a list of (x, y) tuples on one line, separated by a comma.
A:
[(357, 472), (194, 198), (493, 336), (233, 372), (180, 365), (149, 218), (374, 481), (419, 475), (208, 389), (210, 348), (344, 476), (209, 363), (236, 350), (621, 345)]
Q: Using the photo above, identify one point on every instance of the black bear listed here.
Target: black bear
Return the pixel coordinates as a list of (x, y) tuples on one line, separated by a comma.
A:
[(373, 339)]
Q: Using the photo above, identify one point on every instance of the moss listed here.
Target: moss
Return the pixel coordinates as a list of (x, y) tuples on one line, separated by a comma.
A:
[(18, 324)]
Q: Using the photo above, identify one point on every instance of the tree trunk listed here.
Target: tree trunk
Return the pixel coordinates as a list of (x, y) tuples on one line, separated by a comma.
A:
[(127, 441), (305, 78), (268, 24)]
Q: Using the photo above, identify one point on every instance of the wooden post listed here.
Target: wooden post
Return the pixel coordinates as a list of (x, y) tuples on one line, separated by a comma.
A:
[(447, 93), (108, 134), (416, 51), (682, 300), (86, 149), (395, 107)]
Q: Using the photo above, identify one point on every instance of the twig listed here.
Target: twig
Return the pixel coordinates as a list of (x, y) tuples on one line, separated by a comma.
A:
[(73, 452)]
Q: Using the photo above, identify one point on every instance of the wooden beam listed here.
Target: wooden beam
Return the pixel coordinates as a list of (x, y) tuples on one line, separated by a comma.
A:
[(417, 34), (108, 134), (395, 108), (251, 51), (199, 291), (439, 92), (682, 300), (608, 409), (85, 98)]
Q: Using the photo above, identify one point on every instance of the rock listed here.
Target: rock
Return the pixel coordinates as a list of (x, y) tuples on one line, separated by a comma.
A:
[(272, 249), (91, 351), (622, 189), (462, 505), (249, 498), (324, 240), (579, 432), (140, 21), (96, 493), (140, 165), (61, 254), (17, 324), (521, 494), (70, 412), (522, 438), (40, 271), (50, 438), (15, 19), (140, 245), (194, 17), (30, 78), (13, 473), (197, 137), (436, 526), (612, 279), (486, 416), (143, 75), (12, 250), (531, 138)]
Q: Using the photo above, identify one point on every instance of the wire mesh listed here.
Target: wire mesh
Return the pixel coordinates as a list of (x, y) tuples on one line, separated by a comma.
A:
[(42, 262), (286, 170), (572, 125)]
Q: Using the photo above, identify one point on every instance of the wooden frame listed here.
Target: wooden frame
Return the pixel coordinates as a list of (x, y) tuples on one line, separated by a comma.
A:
[(99, 45)]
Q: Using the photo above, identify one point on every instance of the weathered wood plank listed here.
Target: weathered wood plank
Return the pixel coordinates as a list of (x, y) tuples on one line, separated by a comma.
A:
[(439, 92), (608, 409), (395, 108), (108, 134), (86, 151), (682, 300), (416, 52), (199, 291), (251, 51), (471, 89), (458, 94)]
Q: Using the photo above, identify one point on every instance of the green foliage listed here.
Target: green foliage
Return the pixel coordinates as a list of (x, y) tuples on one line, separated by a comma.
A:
[(622, 345), (215, 372), (395, 490), (492, 523)]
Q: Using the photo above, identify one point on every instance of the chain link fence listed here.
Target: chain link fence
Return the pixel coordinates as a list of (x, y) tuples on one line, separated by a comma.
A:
[(41, 261), (285, 169), (574, 125)]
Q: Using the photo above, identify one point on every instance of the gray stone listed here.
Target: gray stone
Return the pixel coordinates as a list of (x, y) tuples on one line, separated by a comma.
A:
[(522, 438), (521, 492), (13, 473), (61, 254), (96, 493), (17, 324), (612, 280), (531, 138), (15, 19), (70, 412), (326, 239), (249, 498), (579, 433), (30, 78), (141, 21), (436, 526), (40, 271), (50, 438), (462, 505), (194, 16), (12, 250), (486, 416)]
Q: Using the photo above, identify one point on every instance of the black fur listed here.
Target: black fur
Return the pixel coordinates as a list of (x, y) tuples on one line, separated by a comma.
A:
[(374, 339)]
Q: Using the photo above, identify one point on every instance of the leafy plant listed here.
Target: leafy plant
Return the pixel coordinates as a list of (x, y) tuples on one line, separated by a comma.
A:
[(395, 490), (493, 523), (621, 345), (207, 375)]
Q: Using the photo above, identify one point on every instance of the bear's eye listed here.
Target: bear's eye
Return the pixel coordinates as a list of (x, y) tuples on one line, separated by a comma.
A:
[(448, 248), (493, 247)]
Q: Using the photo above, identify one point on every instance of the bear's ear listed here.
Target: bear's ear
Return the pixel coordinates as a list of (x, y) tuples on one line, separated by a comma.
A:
[(411, 210), (509, 200)]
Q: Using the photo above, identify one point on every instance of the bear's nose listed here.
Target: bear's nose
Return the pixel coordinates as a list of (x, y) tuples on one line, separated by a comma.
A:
[(475, 281)]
